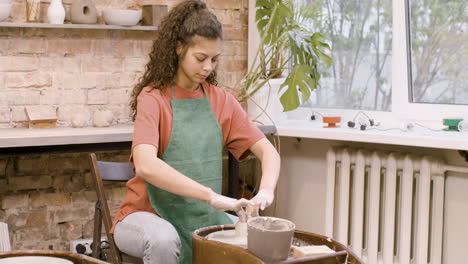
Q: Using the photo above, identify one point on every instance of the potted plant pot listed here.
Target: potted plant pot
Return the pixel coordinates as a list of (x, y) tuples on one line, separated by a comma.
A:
[(264, 106)]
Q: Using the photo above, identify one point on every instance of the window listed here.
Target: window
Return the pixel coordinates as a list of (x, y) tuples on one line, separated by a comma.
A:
[(405, 59), (360, 34), (439, 51)]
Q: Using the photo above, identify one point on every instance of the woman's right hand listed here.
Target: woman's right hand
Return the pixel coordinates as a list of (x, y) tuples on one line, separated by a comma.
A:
[(224, 203)]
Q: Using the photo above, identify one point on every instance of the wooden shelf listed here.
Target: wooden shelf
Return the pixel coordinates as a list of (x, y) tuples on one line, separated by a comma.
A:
[(76, 26)]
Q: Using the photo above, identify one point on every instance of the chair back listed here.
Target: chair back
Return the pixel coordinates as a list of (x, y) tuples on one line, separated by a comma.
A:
[(115, 171), (106, 171)]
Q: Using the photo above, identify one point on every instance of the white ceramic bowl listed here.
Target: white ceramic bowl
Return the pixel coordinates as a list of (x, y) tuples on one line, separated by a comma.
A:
[(121, 17), (5, 9)]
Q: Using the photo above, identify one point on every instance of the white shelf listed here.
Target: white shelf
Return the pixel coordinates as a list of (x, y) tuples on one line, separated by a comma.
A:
[(24, 137), (76, 26), (419, 137)]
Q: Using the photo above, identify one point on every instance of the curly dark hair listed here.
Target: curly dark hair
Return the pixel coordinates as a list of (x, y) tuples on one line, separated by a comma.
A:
[(184, 21)]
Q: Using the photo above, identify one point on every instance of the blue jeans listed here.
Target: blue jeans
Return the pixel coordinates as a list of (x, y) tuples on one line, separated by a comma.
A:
[(148, 236)]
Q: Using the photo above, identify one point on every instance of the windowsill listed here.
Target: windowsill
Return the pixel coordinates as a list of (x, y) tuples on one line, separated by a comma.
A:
[(418, 137)]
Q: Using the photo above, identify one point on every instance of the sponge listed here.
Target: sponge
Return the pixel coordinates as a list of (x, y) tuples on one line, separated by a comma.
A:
[(299, 252)]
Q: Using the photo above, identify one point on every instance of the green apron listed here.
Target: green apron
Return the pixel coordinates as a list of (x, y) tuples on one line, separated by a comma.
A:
[(195, 150)]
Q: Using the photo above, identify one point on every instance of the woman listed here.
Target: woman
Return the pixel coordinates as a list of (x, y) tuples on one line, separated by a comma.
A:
[(182, 122)]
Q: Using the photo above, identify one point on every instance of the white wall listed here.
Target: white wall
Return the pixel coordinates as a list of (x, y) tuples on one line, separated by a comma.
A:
[(301, 191)]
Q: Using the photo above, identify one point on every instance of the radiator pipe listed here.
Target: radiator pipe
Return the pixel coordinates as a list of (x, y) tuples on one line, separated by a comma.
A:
[(455, 168)]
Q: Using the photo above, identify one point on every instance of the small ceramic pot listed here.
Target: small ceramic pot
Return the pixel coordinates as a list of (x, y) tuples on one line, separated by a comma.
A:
[(102, 117), (331, 121), (270, 238), (79, 119)]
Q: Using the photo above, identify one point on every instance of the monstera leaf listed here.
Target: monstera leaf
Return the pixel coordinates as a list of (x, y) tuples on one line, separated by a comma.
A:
[(287, 46), (271, 16), (298, 80)]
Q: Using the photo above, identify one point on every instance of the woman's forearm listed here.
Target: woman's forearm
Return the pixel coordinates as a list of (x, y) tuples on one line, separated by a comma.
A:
[(270, 161), (270, 170), (160, 174)]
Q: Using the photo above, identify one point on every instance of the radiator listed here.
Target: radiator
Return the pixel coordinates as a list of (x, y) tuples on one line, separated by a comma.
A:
[(4, 238), (387, 207)]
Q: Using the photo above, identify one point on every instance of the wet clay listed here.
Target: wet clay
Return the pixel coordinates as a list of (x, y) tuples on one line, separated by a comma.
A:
[(271, 224), (236, 237), (228, 237)]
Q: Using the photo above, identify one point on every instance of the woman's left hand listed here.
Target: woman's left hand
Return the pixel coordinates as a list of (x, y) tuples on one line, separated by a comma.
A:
[(263, 199)]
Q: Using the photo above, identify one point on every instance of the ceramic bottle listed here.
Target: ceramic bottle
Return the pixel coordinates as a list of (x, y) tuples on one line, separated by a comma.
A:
[(56, 12)]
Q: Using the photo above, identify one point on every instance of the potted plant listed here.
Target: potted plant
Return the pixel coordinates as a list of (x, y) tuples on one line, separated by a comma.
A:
[(289, 49)]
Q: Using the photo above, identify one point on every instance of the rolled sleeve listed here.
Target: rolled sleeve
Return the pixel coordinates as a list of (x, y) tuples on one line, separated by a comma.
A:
[(146, 127)]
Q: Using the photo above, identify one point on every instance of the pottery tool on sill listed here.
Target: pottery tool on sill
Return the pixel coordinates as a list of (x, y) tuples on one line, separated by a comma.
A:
[(452, 123), (331, 121)]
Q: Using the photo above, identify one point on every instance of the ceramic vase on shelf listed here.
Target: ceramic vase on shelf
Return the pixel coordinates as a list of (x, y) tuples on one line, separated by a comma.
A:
[(56, 12)]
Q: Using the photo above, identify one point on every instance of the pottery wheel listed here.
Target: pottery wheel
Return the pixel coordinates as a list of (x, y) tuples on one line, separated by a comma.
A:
[(34, 260), (228, 237)]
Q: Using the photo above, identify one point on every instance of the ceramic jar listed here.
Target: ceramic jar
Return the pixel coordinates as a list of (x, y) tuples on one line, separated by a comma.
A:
[(56, 12), (103, 117), (83, 12)]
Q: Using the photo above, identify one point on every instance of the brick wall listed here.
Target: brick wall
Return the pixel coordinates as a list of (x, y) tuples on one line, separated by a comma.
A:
[(80, 70), (48, 199)]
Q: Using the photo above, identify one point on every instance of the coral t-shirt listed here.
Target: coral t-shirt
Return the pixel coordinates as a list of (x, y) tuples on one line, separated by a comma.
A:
[(153, 124)]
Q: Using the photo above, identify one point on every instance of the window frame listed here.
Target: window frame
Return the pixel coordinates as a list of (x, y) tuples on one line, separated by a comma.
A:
[(402, 110), (401, 76)]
